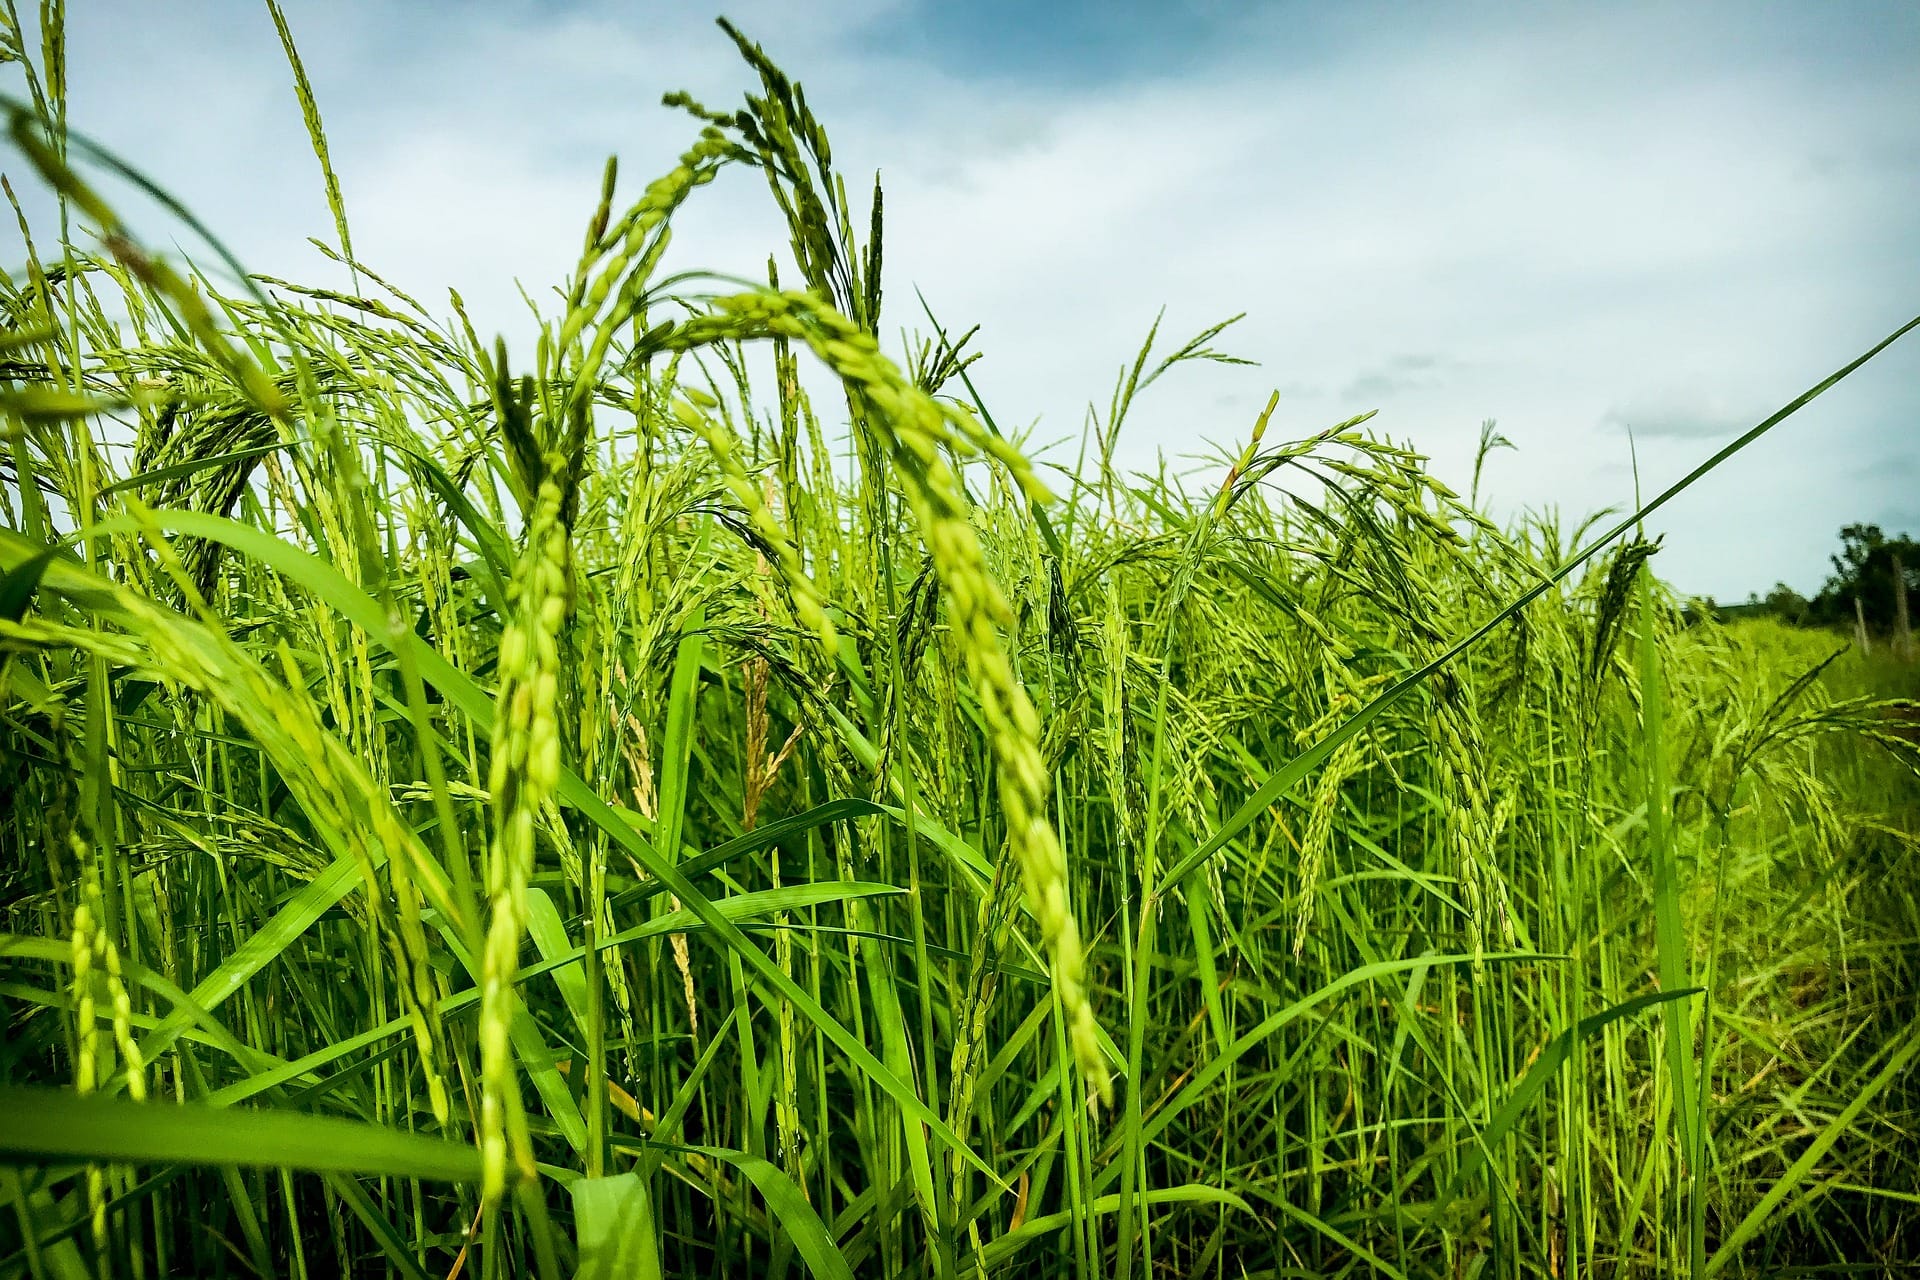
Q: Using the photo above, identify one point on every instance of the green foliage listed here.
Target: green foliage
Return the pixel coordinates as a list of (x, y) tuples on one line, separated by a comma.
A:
[(1786, 604), (1871, 568), (591, 816)]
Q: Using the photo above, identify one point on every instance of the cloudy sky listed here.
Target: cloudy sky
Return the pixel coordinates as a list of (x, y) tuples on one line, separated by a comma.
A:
[(1577, 220)]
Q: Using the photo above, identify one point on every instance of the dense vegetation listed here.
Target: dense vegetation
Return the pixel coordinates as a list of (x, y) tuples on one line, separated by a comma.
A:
[(485, 812)]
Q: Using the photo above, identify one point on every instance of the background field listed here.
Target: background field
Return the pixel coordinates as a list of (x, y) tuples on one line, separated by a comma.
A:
[(604, 809)]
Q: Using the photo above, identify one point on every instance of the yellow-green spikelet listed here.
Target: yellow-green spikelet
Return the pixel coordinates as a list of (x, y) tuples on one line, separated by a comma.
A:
[(524, 774)]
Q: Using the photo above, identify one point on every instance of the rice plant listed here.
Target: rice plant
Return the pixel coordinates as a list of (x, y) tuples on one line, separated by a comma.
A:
[(605, 810)]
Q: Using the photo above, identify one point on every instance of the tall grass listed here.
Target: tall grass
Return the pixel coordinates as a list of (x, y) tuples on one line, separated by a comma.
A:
[(598, 810)]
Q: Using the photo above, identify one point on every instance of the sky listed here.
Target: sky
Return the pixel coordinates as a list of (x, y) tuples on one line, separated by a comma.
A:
[(1626, 232)]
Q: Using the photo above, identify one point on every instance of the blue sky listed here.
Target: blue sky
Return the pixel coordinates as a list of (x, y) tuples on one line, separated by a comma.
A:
[(1577, 220)]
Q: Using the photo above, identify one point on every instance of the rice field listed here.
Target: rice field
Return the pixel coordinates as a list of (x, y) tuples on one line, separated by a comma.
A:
[(694, 797)]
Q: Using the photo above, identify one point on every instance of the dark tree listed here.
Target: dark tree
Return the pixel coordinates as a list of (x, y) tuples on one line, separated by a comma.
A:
[(1865, 570), (1786, 604)]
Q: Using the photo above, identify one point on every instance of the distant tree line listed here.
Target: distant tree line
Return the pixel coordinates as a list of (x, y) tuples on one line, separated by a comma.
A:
[(1874, 580)]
